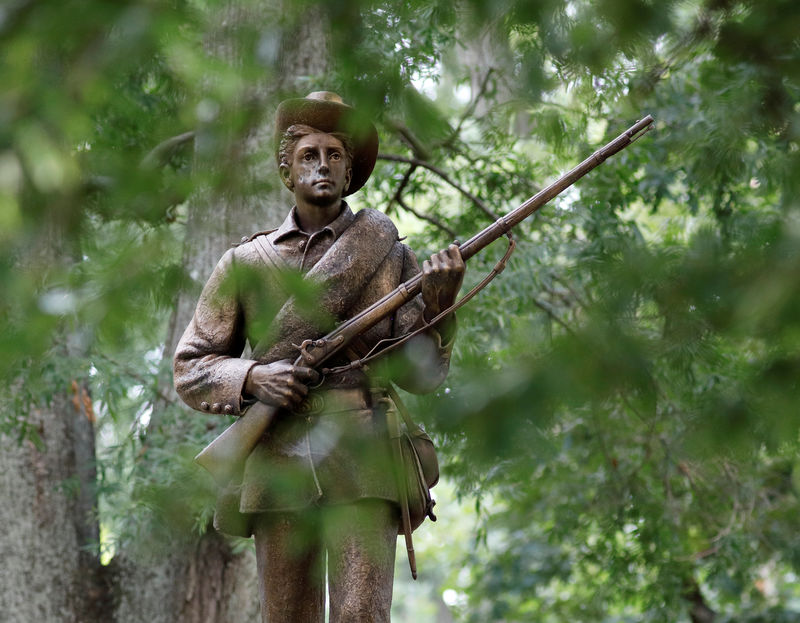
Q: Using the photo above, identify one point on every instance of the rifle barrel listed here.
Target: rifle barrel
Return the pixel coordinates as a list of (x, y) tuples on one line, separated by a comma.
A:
[(408, 290), (224, 456), (505, 223)]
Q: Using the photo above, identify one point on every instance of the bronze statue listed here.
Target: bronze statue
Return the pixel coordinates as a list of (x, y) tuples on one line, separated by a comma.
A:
[(321, 478), (311, 467)]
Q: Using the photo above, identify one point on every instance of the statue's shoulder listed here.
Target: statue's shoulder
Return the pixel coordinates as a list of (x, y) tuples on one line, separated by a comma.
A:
[(250, 249), (375, 222), (247, 239)]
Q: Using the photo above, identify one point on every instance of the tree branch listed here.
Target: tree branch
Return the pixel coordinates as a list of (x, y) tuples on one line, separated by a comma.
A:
[(420, 151), (162, 152), (442, 174), (431, 219), (549, 311), (581, 301), (400, 188), (470, 109)]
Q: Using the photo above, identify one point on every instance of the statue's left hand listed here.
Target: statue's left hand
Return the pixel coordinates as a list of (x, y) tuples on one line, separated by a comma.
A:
[(441, 280)]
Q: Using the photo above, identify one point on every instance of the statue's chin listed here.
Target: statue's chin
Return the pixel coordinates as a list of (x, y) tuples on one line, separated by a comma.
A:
[(323, 200)]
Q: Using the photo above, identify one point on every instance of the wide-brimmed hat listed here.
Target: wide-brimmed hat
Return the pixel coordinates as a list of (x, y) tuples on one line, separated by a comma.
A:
[(325, 111)]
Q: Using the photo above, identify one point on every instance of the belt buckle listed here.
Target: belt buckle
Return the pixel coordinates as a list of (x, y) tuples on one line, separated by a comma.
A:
[(312, 404)]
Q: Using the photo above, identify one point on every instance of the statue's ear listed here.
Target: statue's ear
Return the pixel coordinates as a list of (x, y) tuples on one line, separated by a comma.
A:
[(286, 176), (347, 177)]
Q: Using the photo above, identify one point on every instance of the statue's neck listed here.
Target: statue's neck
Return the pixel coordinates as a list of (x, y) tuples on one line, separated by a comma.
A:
[(313, 218)]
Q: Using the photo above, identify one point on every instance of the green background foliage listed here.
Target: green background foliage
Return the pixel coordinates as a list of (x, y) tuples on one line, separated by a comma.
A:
[(621, 421)]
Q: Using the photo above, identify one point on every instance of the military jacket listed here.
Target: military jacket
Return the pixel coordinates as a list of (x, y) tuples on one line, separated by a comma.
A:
[(333, 448)]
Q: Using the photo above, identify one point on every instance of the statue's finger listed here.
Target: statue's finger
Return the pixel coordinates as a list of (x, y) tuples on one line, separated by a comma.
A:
[(306, 375), (454, 253)]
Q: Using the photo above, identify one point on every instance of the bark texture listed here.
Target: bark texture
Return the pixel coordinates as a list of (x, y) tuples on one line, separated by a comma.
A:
[(50, 567), (207, 582)]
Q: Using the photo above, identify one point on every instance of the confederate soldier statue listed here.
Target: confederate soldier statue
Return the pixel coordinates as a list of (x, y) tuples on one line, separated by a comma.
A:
[(319, 486)]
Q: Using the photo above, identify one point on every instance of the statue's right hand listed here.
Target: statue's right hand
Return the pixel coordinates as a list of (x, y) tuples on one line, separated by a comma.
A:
[(280, 384)]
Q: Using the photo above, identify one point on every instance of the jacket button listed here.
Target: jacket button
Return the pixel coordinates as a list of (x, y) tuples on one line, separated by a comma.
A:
[(229, 409), (204, 406), (216, 407)]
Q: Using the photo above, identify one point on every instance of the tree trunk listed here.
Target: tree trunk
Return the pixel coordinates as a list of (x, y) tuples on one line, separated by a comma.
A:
[(50, 567), (50, 570), (208, 582), (485, 55)]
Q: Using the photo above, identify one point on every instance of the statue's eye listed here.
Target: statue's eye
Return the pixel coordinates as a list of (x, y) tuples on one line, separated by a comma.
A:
[(308, 156), (336, 156)]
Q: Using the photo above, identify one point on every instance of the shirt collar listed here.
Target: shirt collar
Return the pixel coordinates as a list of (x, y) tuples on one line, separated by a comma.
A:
[(336, 227)]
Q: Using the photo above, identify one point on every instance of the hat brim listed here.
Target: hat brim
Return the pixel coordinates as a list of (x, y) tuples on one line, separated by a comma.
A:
[(329, 116)]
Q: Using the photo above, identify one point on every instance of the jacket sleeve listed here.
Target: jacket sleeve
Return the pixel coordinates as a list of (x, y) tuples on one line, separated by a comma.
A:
[(209, 373), (427, 356)]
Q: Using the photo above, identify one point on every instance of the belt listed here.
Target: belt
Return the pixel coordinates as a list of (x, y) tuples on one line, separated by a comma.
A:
[(334, 401)]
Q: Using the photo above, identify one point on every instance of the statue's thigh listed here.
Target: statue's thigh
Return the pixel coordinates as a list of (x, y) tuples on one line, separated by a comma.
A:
[(291, 567), (361, 540)]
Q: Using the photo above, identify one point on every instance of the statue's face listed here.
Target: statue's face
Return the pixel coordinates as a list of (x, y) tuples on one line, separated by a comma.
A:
[(319, 173)]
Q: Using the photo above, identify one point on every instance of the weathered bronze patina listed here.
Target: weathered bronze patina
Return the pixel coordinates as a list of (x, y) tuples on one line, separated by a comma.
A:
[(228, 451), (320, 479), (310, 472)]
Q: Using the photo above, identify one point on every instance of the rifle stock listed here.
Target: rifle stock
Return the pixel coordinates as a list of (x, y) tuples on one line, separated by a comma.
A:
[(225, 456)]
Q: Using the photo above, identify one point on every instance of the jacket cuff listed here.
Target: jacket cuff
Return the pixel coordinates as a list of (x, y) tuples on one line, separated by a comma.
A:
[(228, 395)]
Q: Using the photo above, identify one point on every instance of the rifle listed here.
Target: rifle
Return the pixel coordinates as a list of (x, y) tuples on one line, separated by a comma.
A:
[(225, 456)]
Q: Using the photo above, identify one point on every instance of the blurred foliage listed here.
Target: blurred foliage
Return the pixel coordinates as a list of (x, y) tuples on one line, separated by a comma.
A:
[(622, 406)]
